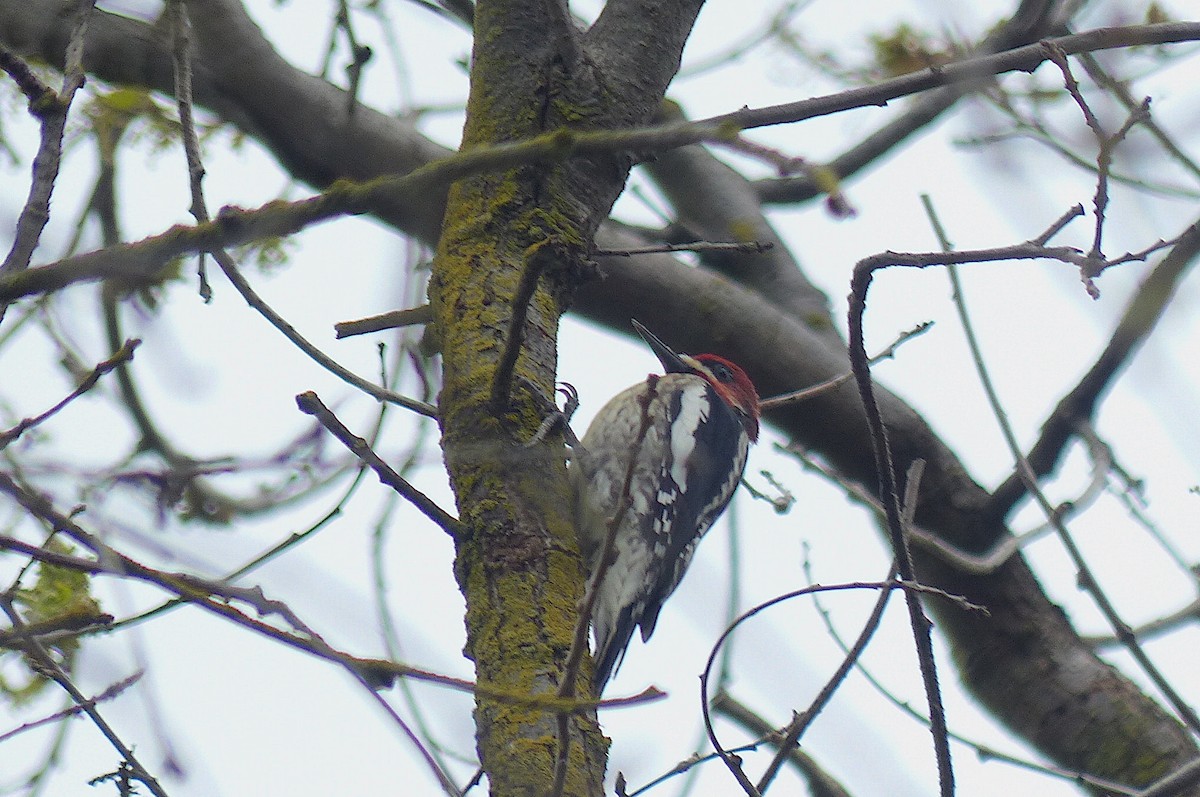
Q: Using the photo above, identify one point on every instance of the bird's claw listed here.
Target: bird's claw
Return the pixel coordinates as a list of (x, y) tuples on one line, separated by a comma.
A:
[(557, 417)]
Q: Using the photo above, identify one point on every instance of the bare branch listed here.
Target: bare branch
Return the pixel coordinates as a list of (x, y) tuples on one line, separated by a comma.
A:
[(122, 355), (181, 31), (968, 71), (1139, 319), (48, 666), (310, 404), (216, 596), (984, 752), (749, 247), (830, 384), (108, 694), (1106, 143), (1032, 20), (860, 284), (908, 586), (51, 110), (393, 319), (229, 268), (820, 783)]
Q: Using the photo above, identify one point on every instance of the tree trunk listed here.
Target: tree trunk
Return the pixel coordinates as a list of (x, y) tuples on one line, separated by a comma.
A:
[(513, 247)]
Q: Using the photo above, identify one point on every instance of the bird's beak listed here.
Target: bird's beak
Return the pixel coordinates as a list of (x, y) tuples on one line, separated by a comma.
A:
[(672, 362)]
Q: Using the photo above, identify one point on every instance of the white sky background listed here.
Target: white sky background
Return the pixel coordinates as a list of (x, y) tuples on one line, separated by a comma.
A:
[(245, 716)]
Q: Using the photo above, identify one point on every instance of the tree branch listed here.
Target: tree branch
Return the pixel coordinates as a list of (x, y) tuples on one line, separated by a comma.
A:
[(311, 404), (51, 110), (1032, 20), (1141, 316)]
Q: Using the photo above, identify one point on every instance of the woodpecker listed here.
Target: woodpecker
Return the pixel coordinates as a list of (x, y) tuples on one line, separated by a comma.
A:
[(679, 441)]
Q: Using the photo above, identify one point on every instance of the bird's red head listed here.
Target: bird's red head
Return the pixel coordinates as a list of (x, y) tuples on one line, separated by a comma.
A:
[(731, 384), (730, 381)]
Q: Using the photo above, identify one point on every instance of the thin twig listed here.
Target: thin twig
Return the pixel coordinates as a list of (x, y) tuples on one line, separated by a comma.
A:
[(908, 586), (46, 664), (781, 503), (784, 399), (1180, 618), (378, 392), (740, 247), (181, 30), (108, 694), (688, 765), (311, 404), (51, 110), (360, 54), (982, 751), (1086, 578), (800, 722), (1069, 215), (393, 319), (122, 355), (54, 629), (1106, 144), (1119, 90), (1129, 491), (1030, 130), (820, 783)]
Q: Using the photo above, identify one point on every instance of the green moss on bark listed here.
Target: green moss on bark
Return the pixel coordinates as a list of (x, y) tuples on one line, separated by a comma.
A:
[(518, 564)]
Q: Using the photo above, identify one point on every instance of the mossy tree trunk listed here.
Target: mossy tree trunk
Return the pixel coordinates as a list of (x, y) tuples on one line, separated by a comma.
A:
[(514, 245)]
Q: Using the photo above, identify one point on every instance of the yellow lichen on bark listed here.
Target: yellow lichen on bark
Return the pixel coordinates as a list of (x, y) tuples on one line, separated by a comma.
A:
[(513, 245), (518, 564)]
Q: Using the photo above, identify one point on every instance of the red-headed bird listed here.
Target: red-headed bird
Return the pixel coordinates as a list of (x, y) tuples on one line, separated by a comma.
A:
[(685, 435)]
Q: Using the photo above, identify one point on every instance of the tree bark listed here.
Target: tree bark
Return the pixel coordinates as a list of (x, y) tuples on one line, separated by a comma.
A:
[(512, 249)]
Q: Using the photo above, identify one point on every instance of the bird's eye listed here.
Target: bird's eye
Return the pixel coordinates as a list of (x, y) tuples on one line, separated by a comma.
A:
[(722, 372)]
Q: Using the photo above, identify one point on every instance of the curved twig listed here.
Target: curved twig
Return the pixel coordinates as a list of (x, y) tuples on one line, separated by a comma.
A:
[(731, 761)]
